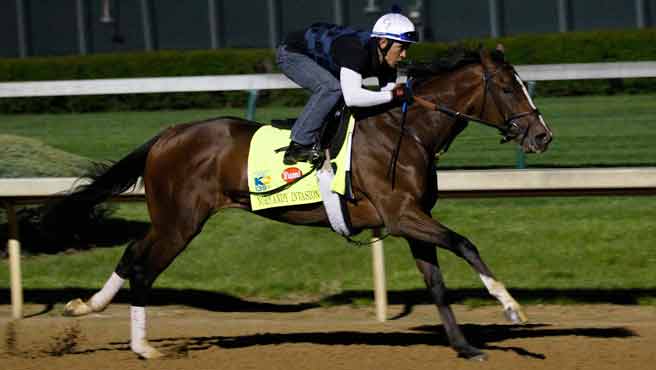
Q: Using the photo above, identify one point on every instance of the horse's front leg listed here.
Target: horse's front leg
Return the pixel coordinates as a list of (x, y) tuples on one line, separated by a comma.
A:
[(426, 258), (418, 225)]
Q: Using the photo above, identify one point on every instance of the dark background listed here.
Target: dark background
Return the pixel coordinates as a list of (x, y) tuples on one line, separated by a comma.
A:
[(51, 26)]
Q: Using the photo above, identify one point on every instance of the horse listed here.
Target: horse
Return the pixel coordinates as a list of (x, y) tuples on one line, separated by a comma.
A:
[(191, 171)]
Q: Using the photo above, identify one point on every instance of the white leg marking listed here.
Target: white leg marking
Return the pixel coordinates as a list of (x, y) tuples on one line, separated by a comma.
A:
[(512, 309)]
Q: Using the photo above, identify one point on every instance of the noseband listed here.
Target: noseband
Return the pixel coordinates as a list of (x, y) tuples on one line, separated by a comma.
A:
[(509, 128)]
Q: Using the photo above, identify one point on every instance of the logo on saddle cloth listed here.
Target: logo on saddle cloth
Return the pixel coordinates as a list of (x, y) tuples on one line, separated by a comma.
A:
[(266, 171), (290, 174)]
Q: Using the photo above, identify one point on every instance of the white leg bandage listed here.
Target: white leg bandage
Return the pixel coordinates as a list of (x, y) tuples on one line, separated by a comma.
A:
[(138, 327), (138, 342), (101, 299)]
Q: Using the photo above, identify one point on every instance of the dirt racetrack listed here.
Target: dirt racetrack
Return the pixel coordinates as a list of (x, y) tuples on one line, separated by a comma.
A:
[(595, 337)]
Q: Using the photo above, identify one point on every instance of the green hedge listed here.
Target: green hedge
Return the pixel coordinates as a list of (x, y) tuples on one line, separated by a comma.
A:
[(572, 47), (132, 65), (575, 47)]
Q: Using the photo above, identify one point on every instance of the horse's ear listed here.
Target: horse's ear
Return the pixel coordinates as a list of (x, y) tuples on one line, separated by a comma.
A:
[(481, 48), (498, 54), (483, 52)]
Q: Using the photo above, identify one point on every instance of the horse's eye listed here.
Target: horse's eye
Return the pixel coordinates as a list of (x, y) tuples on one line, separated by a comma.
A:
[(507, 90)]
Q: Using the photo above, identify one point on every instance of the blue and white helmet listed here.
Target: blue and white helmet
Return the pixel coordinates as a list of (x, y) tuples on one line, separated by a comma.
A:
[(395, 26)]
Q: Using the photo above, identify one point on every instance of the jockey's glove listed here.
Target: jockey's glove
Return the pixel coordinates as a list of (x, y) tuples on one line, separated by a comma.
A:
[(402, 93)]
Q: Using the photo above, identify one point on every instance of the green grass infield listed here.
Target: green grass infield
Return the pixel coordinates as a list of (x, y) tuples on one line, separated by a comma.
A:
[(570, 249)]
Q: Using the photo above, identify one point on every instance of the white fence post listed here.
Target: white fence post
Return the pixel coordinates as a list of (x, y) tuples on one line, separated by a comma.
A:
[(13, 247), (380, 290), (15, 276)]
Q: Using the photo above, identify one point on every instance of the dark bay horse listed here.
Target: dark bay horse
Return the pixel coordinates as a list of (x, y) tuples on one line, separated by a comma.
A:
[(190, 171)]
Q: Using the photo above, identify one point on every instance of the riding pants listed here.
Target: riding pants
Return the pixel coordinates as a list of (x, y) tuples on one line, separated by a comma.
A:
[(325, 89)]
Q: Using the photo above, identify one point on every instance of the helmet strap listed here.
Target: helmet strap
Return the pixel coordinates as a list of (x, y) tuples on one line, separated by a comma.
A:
[(386, 49)]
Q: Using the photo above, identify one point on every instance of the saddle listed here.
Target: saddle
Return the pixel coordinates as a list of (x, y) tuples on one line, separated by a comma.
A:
[(333, 130)]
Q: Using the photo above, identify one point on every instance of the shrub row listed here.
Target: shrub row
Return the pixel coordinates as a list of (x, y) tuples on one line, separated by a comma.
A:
[(574, 47)]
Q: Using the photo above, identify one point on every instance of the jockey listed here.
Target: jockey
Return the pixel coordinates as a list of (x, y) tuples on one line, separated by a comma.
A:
[(332, 61)]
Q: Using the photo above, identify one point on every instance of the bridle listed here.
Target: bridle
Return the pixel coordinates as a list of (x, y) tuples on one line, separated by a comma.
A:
[(509, 128)]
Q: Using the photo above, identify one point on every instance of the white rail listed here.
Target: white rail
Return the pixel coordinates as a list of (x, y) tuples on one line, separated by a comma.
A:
[(586, 71), (145, 85), (482, 182), (544, 72)]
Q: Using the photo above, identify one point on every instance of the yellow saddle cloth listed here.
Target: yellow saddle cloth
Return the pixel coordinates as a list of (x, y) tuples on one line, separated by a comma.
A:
[(267, 172)]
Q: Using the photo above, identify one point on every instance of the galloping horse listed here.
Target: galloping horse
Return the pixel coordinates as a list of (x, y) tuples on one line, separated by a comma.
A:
[(189, 173)]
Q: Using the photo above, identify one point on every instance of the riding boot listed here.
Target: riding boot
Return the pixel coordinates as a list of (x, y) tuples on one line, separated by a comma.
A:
[(300, 153)]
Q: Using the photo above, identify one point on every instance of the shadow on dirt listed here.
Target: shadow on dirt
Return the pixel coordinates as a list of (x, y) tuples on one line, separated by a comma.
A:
[(411, 298), (220, 302), (207, 300), (489, 337), (480, 335)]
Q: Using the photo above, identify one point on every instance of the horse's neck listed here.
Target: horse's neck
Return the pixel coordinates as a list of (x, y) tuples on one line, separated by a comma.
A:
[(457, 91), (433, 131)]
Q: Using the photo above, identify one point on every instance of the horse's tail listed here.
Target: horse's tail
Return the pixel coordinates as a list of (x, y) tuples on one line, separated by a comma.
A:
[(72, 212)]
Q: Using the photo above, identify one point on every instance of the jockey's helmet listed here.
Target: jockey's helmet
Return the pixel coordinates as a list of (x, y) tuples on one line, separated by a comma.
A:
[(395, 26)]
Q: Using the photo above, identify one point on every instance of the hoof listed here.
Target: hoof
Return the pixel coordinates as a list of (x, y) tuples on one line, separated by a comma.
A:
[(77, 307), (472, 354), (478, 358), (151, 354), (516, 316), (146, 351)]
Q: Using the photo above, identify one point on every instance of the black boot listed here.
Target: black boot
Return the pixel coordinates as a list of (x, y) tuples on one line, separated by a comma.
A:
[(299, 153)]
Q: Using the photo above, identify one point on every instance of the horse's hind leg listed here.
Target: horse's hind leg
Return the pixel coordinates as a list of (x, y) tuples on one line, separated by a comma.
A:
[(99, 301), (144, 264), (141, 263), (102, 298)]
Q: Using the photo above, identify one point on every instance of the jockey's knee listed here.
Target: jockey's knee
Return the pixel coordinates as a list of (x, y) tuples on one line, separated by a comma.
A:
[(334, 86), (330, 90)]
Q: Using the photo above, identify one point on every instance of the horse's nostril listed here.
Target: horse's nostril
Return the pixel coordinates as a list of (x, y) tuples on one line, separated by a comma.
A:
[(543, 138)]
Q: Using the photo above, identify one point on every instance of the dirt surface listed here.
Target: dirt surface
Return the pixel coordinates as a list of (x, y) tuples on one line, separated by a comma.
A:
[(559, 337)]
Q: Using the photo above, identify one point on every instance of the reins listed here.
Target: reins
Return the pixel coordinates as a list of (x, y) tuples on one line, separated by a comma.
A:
[(391, 170), (509, 129), (451, 112), (509, 123)]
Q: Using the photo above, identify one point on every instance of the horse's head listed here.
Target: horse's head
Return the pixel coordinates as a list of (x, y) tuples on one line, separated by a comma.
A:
[(481, 86), (506, 104)]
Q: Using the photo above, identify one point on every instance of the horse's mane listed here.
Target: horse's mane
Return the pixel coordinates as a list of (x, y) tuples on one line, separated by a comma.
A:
[(456, 58)]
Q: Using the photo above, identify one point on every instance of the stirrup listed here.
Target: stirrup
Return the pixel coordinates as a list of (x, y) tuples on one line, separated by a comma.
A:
[(313, 156)]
